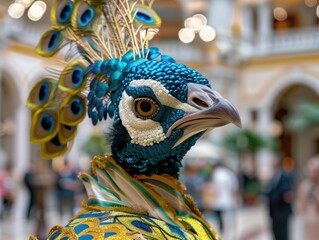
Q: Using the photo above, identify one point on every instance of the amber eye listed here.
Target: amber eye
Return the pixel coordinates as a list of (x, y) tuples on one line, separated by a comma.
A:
[(146, 108)]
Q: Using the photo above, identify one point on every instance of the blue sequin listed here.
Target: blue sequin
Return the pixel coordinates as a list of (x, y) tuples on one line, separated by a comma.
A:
[(86, 237), (55, 235), (109, 234), (176, 230), (141, 225), (80, 228), (92, 214)]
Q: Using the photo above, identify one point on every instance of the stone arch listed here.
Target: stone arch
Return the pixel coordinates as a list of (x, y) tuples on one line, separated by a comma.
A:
[(295, 78), (280, 102)]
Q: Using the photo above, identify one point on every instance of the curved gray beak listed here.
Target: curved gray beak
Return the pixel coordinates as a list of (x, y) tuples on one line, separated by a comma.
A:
[(213, 111)]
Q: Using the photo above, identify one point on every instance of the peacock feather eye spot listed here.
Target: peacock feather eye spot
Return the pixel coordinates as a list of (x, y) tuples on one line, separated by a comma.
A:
[(76, 107), (54, 39), (47, 122), (43, 92), (144, 17), (146, 108), (77, 77), (86, 17), (65, 14)]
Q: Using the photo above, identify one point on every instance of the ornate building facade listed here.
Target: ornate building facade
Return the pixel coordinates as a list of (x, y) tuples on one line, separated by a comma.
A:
[(263, 62)]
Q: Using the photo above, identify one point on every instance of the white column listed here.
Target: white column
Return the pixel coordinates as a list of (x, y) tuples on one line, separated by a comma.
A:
[(22, 141), (264, 121), (247, 19), (220, 15), (264, 23)]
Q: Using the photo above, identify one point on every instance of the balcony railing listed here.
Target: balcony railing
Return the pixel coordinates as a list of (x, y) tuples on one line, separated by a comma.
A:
[(180, 51), (285, 42), (292, 41)]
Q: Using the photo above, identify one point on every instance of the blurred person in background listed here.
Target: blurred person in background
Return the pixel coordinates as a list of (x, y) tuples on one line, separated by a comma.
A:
[(308, 201), (7, 191), (3, 191), (278, 193), (28, 180), (250, 184), (223, 204), (67, 186)]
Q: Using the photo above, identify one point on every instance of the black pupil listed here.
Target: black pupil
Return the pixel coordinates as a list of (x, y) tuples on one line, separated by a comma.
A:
[(143, 16), (46, 123), (86, 16), (76, 76), (53, 40), (65, 12), (76, 107), (146, 107), (43, 92)]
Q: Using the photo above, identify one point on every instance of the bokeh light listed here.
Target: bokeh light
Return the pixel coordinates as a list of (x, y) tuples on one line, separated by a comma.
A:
[(186, 35), (37, 10), (16, 10), (25, 3), (280, 14), (195, 24), (207, 34), (311, 3)]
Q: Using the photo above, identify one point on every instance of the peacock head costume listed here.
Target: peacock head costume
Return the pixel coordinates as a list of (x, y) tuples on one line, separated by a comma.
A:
[(159, 108)]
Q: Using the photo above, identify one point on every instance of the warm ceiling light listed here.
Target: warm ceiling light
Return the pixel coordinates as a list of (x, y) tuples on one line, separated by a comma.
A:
[(317, 11), (207, 34), (195, 24), (311, 3), (37, 10), (186, 35), (16, 10), (25, 3), (280, 14), (202, 18), (186, 22)]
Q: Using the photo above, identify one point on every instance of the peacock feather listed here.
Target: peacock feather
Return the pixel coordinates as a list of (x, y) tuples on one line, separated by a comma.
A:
[(107, 38)]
